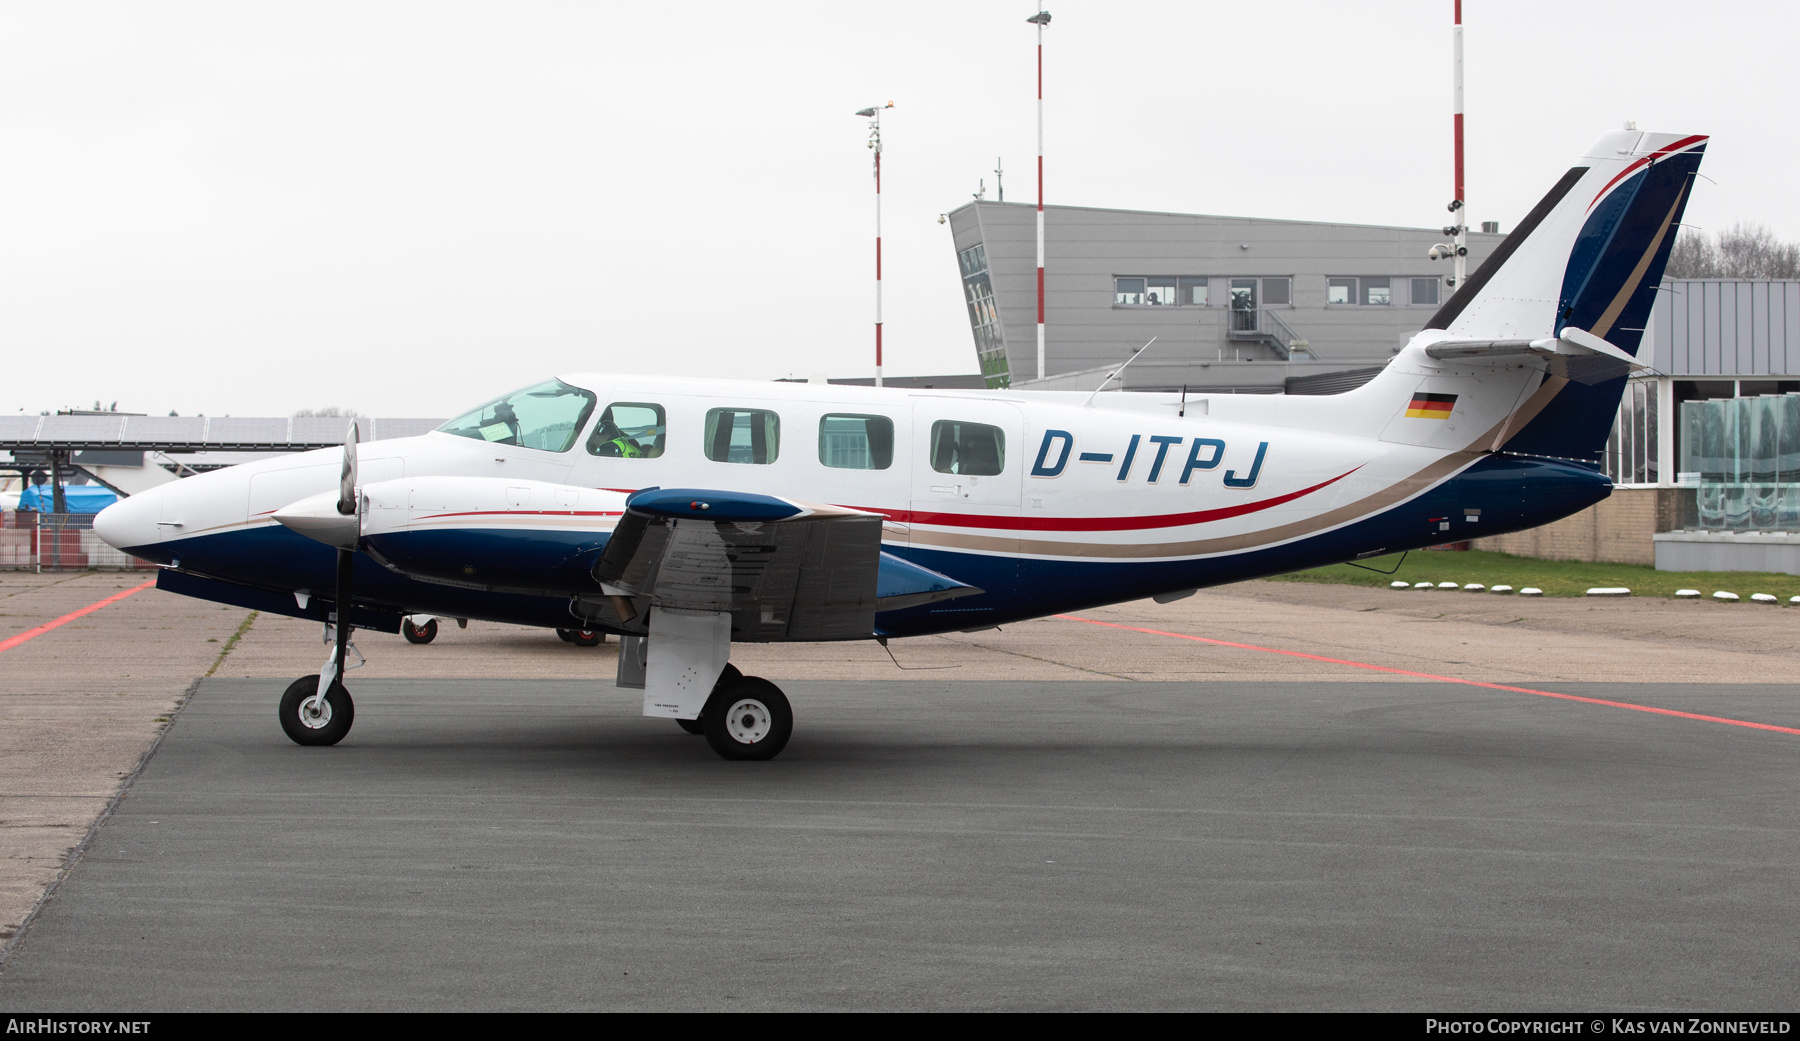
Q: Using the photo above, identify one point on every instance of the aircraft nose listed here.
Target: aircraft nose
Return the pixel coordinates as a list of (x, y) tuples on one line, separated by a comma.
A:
[(131, 522)]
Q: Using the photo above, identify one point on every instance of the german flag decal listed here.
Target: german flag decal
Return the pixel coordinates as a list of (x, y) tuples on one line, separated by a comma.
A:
[(1431, 406)]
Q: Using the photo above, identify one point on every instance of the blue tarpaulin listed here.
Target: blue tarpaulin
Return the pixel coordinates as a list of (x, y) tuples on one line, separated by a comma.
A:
[(79, 498)]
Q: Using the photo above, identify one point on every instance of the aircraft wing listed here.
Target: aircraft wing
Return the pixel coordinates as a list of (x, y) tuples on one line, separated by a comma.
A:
[(1576, 355), (783, 569)]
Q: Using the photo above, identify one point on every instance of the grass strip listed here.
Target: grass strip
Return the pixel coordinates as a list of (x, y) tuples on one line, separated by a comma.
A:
[(1554, 577), (229, 644)]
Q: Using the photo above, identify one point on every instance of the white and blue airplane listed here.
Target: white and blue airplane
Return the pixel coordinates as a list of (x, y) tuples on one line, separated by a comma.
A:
[(685, 514)]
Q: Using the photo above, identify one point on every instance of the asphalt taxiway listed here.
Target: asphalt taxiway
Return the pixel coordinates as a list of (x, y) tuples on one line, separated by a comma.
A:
[(1316, 836)]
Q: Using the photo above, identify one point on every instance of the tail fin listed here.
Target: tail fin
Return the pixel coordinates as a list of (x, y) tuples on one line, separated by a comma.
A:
[(1590, 255)]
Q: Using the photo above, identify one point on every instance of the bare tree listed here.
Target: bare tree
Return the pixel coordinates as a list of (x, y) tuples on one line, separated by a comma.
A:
[(330, 411), (1740, 251)]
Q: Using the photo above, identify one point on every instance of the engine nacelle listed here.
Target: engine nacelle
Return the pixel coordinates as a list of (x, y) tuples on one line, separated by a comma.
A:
[(490, 533)]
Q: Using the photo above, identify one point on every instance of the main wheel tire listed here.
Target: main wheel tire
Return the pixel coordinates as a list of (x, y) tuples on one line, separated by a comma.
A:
[(748, 718), (331, 723), (564, 635), (586, 637), (419, 633)]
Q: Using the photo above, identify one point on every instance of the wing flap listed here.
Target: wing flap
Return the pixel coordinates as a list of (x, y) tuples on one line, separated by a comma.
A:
[(801, 573)]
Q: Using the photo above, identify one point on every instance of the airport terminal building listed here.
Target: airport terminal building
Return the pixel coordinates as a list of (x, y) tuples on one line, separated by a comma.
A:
[(1236, 304)]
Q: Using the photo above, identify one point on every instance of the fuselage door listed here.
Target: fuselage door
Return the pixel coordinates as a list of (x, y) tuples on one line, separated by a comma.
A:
[(968, 465)]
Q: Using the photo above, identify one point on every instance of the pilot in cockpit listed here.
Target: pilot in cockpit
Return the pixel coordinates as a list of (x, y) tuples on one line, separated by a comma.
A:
[(608, 440)]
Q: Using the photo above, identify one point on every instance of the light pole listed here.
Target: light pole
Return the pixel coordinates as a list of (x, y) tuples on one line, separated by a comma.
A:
[(1041, 19), (873, 115)]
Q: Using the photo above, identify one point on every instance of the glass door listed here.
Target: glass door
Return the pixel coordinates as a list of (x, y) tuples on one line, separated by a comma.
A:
[(1243, 305)]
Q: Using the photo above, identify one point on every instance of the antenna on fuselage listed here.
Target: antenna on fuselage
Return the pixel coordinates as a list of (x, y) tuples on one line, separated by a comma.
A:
[(1116, 373)]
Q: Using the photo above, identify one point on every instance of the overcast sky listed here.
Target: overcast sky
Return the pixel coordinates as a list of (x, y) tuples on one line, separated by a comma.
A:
[(404, 208)]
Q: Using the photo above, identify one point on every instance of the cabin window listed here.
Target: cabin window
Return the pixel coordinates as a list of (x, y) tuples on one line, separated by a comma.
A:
[(970, 449), (546, 416), (628, 430), (854, 442), (742, 435)]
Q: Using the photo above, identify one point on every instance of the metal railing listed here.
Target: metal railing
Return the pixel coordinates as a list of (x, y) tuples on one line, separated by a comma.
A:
[(31, 541), (1263, 325)]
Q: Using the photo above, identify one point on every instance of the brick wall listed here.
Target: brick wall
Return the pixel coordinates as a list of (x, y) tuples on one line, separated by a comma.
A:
[(1617, 530)]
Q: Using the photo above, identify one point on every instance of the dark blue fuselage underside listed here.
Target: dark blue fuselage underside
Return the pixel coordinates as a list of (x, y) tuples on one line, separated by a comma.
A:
[(1509, 492)]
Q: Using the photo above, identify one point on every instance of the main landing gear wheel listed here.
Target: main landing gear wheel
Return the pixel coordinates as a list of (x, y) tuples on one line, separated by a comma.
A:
[(698, 726), (419, 633), (309, 721), (586, 637), (748, 718)]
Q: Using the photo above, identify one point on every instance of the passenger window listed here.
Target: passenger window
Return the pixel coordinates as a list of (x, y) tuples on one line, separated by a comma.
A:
[(742, 435), (547, 416), (853, 442), (628, 430), (972, 449)]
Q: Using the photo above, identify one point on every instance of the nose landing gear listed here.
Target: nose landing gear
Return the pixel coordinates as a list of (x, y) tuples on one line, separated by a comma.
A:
[(308, 719)]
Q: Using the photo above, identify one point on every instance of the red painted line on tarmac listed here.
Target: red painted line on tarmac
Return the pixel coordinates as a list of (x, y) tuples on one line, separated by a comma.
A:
[(13, 641), (1443, 679)]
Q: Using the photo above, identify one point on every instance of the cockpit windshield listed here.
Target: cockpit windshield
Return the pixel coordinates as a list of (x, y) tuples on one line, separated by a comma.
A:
[(547, 416)]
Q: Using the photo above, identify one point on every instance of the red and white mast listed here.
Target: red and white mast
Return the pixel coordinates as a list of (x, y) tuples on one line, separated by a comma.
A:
[(1457, 205), (873, 113), (1041, 19)]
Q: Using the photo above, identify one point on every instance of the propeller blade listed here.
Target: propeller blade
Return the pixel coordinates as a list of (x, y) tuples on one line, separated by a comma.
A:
[(346, 503)]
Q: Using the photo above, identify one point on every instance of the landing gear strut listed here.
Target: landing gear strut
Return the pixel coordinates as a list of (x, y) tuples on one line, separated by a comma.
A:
[(317, 710)]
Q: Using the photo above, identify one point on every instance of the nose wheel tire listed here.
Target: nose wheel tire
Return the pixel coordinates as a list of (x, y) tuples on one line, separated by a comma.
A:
[(565, 635), (586, 637), (307, 720), (730, 674), (419, 633), (748, 719)]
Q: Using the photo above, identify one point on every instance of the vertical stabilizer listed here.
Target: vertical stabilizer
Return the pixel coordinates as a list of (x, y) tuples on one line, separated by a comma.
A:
[(1589, 256)]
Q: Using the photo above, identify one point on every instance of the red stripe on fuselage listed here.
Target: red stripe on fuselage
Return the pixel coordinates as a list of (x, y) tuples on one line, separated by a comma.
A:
[(1166, 520), (526, 513)]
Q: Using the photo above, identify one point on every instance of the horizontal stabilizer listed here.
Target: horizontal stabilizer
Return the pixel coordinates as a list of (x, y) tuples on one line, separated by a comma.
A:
[(1576, 355)]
